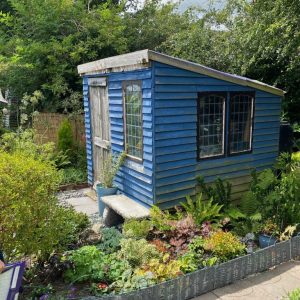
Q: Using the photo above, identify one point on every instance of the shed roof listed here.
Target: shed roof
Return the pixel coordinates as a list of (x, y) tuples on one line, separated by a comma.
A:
[(143, 57)]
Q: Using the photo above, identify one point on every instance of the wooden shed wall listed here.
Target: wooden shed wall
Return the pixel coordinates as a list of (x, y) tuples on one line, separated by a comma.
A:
[(134, 179), (175, 122)]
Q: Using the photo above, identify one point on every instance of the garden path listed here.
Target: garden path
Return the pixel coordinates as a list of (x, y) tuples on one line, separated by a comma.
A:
[(270, 285)]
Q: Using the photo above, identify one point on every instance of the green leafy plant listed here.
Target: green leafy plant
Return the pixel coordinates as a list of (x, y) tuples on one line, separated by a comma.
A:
[(110, 240), (87, 264), (202, 211), (110, 167), (224, 245), (138, 252), (137, 228), (219, 191), (74, 175), (161, 219), (294, 295), (269, 227), (65, 138), (28, 193), (161, 270)]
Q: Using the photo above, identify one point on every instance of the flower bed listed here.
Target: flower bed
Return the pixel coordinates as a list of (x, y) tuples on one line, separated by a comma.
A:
[(208, 279)]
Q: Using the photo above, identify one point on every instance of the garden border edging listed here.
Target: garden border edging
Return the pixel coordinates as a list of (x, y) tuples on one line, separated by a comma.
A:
[(205, 280)]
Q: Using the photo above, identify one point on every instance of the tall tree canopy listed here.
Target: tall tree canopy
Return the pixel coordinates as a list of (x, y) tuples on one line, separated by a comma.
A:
[(42, 42)]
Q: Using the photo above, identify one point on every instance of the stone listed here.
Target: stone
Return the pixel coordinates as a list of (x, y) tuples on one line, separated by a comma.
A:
[(126, 207), (111, 218)]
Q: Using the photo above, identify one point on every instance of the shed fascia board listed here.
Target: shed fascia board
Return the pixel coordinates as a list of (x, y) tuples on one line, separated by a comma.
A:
[(145, 56), (129, 59)]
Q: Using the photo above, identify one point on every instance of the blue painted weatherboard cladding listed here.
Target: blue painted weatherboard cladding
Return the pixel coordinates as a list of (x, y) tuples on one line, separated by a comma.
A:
[(175, 129), (88, 130), (134, 179)]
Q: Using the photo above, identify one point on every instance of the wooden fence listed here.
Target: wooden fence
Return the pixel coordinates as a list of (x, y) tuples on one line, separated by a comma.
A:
[(46, 126)]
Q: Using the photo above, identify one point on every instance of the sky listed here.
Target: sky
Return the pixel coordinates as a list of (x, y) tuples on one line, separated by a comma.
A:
[(201, 3)]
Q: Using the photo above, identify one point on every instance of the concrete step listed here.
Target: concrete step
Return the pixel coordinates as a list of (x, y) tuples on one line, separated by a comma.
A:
[(126, 207)]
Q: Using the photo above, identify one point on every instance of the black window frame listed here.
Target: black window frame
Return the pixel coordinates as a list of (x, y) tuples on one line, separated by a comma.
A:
[(231, 95), (125, 84), (200, 95), (227, 112)]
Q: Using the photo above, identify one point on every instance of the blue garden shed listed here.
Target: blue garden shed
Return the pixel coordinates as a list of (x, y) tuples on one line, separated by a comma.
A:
[(176, 120)]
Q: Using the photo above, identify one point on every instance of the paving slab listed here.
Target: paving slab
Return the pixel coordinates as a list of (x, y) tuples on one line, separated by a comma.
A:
[(83, 204), (274, 284)]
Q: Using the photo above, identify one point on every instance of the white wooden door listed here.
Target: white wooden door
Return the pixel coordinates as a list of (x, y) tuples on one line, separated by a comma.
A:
[(100, 124)]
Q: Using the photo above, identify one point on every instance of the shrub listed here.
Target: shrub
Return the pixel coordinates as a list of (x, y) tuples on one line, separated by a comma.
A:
[(136, 228), (138, 252), (202, 211), (224, 245), (87, 264), (65, 137), (161, 270), (31, 221), (294, 295), (110, 240)]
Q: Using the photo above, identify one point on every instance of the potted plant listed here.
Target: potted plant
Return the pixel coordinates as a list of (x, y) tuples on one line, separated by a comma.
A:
[(268, 234), (106, 187)]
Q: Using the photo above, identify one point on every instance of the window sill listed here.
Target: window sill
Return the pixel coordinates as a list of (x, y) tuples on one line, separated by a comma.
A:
[(134, 165)]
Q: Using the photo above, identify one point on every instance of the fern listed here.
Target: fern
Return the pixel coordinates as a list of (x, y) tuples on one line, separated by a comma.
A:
[(202, 211)]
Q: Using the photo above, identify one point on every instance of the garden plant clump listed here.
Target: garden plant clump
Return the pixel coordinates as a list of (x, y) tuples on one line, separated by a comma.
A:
[(202, 232)]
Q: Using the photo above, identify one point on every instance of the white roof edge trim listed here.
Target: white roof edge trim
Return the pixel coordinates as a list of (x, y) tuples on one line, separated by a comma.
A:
[(144, 56), (128, 59)]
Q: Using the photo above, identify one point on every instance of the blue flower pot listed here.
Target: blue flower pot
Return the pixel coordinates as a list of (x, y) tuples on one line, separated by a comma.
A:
[(102, 191), (266, 240)]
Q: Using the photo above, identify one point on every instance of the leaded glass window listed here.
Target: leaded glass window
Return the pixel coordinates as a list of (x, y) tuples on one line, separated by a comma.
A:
[(133, 119), (240, 132), (211, 111)]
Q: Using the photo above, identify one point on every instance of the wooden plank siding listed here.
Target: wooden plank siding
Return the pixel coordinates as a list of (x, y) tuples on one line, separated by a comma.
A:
[(175, 130), (134, 179)]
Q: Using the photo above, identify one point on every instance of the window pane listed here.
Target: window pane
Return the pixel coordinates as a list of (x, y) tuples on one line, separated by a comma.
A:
[(240, 123), (211, 125), (133, 119)]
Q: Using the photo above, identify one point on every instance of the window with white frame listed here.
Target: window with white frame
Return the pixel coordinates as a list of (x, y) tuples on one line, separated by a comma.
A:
[(133, 122), (240, 126), (224, 128), (211, 110)]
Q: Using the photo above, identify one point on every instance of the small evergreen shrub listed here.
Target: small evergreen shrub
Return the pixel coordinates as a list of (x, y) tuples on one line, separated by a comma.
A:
[(224, 245), (138, 252), (65, 137), (110, 240), (137, 229)]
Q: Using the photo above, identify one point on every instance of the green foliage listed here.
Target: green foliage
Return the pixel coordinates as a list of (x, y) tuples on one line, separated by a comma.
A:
[(220, 191), (202, 211), (224, 245), (137, 229), (130, 281), (137, 252), (110, 240), (87, 264), (28, 193), (161, 220), (65, 137), (294, 295), (74, 175), (111, 166), (161, 270)]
